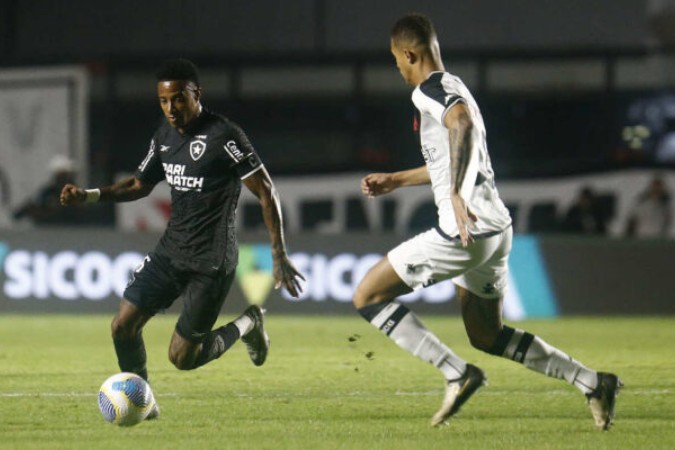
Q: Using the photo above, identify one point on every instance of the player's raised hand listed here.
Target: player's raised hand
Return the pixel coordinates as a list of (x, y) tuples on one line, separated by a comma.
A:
[(287, 276), (72, 195), (376, 184), (466, 220)]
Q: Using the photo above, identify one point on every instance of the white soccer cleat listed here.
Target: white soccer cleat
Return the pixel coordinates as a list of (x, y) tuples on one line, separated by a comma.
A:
[(257, 340), (457, 392), (154, 412), (603, 399)]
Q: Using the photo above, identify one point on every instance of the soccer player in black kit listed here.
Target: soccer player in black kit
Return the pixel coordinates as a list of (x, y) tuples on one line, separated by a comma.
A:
[(205, 158)]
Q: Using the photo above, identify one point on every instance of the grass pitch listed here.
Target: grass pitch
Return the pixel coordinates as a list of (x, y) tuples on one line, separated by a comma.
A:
[(322, 390)]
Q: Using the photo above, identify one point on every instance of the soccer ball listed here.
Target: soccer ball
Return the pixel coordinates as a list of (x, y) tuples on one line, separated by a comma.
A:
[(125, 399)]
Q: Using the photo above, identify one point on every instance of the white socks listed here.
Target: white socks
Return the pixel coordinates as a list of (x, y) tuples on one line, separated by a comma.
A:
[(404, 328), (535, 354), (244, 324)]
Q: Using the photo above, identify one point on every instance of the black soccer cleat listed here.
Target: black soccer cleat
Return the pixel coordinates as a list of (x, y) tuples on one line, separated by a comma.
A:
[(257, 340), (457, 392), (603, 399)]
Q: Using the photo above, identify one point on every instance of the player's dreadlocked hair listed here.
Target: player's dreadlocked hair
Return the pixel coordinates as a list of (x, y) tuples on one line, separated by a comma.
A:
[(178, 69), (414, 30)]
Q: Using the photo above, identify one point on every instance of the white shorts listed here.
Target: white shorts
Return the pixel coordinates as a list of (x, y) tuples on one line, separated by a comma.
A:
[(481, 267)]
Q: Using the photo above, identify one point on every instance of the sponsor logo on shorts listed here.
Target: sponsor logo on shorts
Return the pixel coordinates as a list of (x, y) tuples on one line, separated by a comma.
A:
[(429, 282), (489, 288)]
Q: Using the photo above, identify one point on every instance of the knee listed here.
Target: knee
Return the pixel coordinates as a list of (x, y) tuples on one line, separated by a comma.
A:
[(121, 329), (181, 361), (183, 354), (381, 284), (365, 297)]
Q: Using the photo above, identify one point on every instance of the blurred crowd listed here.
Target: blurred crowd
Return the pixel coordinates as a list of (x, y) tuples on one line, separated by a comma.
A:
[(592, 213), (649, 217), (43, 208)]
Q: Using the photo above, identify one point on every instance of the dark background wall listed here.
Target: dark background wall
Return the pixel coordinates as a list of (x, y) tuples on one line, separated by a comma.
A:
[(79, 29), (597, 276), (313, 83)]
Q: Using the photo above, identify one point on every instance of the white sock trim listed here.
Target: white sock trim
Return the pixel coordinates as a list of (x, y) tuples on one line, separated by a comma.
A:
[(586, 380), (244, 323), (383, 315)]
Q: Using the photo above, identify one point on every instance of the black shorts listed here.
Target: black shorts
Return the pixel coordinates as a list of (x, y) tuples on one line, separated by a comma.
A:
[(159, 281)]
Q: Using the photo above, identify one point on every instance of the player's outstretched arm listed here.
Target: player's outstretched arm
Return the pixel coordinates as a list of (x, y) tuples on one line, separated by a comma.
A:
[(125, 190), (376, 184), (285, 274)]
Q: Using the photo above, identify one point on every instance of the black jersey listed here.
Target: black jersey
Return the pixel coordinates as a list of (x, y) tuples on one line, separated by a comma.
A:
[(204, 168)]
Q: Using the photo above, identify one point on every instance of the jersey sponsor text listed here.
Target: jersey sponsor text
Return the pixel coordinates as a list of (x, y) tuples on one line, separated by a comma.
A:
[(175, 176)]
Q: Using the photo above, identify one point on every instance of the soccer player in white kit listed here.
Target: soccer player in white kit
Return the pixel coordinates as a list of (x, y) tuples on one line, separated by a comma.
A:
[(470, 245)]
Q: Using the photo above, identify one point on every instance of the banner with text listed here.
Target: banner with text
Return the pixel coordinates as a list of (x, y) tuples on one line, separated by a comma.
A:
[(87, 271)]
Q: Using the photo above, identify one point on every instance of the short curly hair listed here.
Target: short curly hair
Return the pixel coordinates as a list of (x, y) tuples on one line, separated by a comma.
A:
[(178, 70), (413, 29)]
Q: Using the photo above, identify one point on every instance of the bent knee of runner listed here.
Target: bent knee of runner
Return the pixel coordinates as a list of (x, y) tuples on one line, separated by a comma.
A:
[(365, 297), (381, 284), (181, 361), (183, 354)]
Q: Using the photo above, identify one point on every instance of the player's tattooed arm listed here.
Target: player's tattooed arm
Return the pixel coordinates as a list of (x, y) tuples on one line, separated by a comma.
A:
[(285, 274), (460, 131), (125, 190)]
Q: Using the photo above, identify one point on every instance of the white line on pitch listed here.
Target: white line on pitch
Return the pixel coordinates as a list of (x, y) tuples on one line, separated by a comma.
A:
[(485, 391), (66, 394), (553, 392)]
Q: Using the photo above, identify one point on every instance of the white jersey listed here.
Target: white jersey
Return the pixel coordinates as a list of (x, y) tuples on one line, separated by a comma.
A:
[(433, 99)]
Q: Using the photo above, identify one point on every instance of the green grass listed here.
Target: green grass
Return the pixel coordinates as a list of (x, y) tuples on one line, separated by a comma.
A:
[(320, 391)]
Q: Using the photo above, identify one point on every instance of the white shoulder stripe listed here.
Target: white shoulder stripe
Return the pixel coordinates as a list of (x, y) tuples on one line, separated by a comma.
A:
[(146, 160)]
